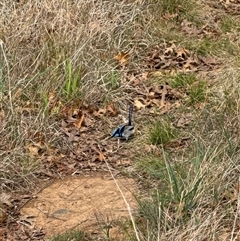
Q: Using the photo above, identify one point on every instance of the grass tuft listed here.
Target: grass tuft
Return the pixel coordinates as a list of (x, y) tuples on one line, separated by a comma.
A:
[(72, 82), (161, 133), (197, 92), (183, 80), (72, 235)]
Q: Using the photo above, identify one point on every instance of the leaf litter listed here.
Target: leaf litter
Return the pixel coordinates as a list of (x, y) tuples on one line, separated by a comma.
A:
[(169, 56)]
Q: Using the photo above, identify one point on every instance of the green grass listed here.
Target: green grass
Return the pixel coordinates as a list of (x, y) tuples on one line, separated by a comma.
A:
[(183, 80), (176, 195), (195, 88), (73, 236), (219, 47), (228, 24), (197, 92), (72, 81), (45, 103), (161, 133), (112, 79), (181, 8), (182, 183), (152, 166)]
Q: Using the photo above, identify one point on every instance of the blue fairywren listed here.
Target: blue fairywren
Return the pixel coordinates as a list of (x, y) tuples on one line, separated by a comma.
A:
[(124, 131)]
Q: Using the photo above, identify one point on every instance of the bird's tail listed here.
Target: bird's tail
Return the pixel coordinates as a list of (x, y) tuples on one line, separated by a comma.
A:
[(130, 121)]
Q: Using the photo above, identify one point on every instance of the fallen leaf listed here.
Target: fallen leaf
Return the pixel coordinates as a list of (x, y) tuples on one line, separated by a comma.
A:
[(79, 122), (99, 112), (184, 121), (122, 58), (169, 16), (177, 144), (208, 60), (170, 50), (33, 149), (36, 148), (39, 137), (124, 162), (152, 149), (112, 109), (101, 156), (200, 106), (138, 104), (182, 53), (51, 97), (5, 199)]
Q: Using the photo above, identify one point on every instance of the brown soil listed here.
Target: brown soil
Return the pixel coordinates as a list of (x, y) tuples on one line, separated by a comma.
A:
[(87, 203)]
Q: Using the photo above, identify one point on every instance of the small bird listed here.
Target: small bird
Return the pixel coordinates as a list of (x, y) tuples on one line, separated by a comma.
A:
[(125, 131)]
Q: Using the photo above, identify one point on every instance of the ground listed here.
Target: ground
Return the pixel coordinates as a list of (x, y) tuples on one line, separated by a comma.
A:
[(68, 72), (89, 203)]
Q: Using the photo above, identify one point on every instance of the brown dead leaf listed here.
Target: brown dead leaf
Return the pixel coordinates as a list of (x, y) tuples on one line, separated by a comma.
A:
[(178, 144), (200, 106), (182, 53), (101, 156), (88, 121), (33, 149), (138, 104), (175, 94), (169, 57), (170, 50), (169, 16), (137, 78), (122, 58), (99, 112), (167, 106), (124, 162), (190, 64), (112, 109), (36, 148), (208, 60), (5, 199), (153, 102), (152, 149), (79, 121), (51, 97), (39, 137), (184, 121), (158, 92), (133, 80)]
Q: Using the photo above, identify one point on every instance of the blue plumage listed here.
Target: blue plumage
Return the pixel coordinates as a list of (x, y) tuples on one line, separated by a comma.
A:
[(125, 131)]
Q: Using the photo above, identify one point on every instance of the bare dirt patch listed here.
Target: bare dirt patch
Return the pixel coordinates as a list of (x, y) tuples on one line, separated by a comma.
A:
[(85, 203)]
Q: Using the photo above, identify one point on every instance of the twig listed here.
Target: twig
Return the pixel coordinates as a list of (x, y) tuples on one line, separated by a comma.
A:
[(127, 205)]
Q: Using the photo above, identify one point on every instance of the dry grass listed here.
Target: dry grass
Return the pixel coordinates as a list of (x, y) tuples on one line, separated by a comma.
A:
[(42, 42), (37, 40)]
